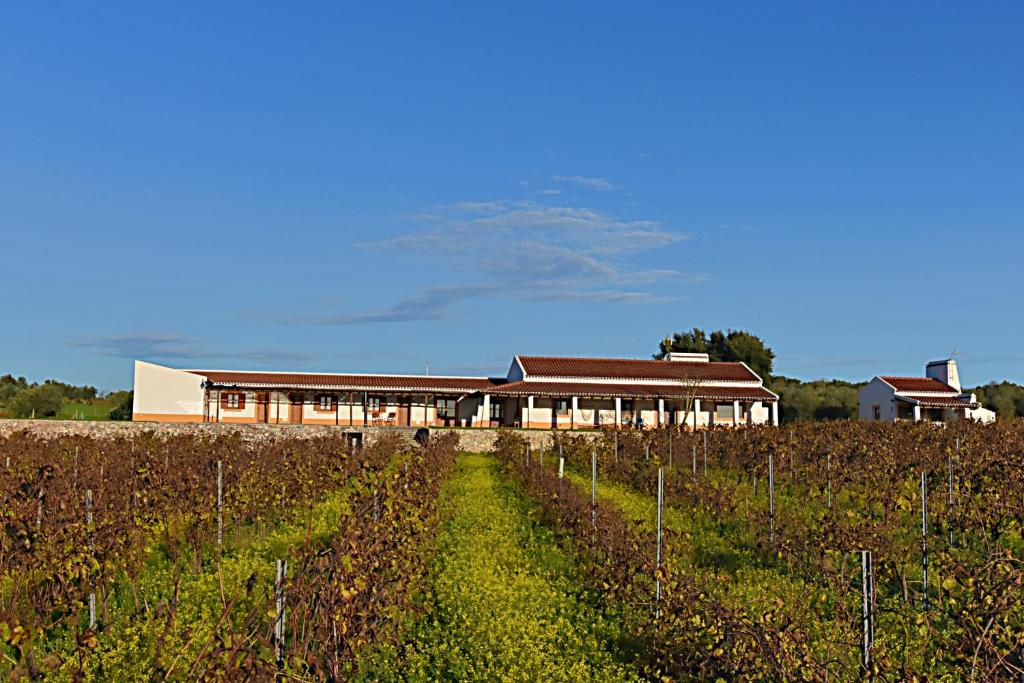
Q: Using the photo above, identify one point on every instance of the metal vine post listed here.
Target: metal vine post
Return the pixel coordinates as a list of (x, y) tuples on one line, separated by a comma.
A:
[(771, 496), (657, 565)]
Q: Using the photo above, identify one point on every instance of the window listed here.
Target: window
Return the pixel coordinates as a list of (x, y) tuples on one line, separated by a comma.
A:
[(233, 401), (446, 407), (724, 410), (562, 406), (627, 406), (877, 412), (325, 403), (497, 410), (373, 403)]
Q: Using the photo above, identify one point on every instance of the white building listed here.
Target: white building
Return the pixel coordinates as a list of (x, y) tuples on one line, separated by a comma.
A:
[(936, 397), (539, 392)]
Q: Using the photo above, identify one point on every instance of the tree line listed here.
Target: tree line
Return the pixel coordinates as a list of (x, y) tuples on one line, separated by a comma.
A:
[(21, 398), (816, 400)]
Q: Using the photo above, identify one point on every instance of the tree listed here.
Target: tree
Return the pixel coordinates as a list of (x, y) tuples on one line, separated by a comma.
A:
[(729, 346), (39, 400), (123, 401), (9, 386), (1006, 398)]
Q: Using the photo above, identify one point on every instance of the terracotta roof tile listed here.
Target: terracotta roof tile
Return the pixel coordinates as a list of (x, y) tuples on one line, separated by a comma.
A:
[(360, 382), (927, 401), (919, 384), (593, 389), (628, 368)]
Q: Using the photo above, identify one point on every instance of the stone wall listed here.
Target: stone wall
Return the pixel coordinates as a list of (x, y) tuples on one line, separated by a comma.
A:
[(476, 439), (46, 429), (479, 440)]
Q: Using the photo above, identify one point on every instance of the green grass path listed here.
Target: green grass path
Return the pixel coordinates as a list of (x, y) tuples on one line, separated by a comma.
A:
[(507, 605)]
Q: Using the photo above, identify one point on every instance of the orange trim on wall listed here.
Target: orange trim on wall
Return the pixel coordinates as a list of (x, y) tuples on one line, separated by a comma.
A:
[(161, 417)]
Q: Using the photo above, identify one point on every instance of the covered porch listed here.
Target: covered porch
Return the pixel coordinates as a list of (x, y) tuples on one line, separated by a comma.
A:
[(557, 405)]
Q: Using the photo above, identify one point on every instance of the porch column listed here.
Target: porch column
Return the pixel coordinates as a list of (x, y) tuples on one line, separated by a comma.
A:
[(529, 410), (775, 413), (572, 413), (618, 412), (696, 412), (917, 413), (661, 412), (486, 417), (735, 413)]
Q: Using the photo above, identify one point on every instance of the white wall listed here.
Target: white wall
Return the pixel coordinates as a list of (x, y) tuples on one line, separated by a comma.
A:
[(877, 392), (166, 394)]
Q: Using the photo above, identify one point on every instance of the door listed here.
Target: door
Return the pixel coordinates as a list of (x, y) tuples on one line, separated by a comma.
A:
[(295, 409), (262, 400), (404, 411)]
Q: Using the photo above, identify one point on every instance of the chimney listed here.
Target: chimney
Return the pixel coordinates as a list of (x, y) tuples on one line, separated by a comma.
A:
[(688, 357), (944, 371)]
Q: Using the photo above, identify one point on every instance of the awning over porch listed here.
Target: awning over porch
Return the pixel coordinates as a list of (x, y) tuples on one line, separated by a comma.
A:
[(635, 391), (926, 401)]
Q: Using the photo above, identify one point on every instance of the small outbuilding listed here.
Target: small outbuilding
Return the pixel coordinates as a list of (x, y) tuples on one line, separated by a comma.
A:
[(936, 397)]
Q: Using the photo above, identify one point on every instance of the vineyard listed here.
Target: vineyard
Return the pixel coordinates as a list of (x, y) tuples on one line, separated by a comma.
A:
[(817, 552)]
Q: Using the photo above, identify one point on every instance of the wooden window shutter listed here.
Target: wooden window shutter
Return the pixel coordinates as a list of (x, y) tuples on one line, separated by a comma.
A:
[(223, 400), (241, 400)]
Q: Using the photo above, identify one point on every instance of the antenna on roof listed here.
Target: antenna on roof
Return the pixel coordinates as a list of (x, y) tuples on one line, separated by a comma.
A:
[(953, 353), (428, 367)]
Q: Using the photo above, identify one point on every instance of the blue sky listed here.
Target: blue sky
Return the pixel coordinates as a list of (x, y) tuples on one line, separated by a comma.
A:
[(372, 187)]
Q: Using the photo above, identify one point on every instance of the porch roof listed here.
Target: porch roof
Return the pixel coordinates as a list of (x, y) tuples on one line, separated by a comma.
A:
[(927, 401), (612, 390), (339, 382)]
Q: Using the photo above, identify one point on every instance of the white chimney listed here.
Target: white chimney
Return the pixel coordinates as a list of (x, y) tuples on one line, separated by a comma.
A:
[(944, 371), (688, 357)]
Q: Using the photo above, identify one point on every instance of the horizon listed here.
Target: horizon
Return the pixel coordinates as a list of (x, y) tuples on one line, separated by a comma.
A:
[(370, 189)]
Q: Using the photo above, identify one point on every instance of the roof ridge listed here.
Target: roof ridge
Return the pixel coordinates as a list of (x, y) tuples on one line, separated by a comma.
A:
[(633, 360)]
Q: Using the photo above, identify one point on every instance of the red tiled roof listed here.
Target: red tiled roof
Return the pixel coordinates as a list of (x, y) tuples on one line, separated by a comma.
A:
[(593, 389), (919, 385), (628, 368), (303, 380), (927, 401)]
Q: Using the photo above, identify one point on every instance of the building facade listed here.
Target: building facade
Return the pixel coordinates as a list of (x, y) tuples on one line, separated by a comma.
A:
[(537, 392), (936, 397)]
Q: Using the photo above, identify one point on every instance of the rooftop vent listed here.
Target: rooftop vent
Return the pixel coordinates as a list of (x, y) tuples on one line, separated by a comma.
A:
[(688, 357)]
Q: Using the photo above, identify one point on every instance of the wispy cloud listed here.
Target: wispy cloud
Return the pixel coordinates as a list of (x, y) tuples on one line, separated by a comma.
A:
[(160, 346), (586, 182), (433, 304), (522, 249)]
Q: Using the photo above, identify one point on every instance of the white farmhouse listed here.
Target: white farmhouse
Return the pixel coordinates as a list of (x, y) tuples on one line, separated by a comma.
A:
[(936, 397)]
